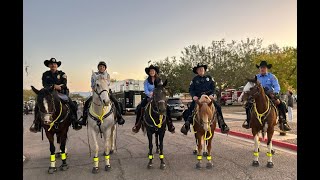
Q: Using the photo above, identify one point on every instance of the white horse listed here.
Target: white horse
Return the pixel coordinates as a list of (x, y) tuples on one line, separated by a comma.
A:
[(101, 120)]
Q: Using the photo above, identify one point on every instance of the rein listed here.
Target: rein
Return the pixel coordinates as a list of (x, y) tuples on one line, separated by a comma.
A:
[(205, 133), (263, 115)]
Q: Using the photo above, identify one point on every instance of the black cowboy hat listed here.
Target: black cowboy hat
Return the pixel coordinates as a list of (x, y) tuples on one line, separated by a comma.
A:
[(264, 63), (102, 63), (198, 65), (147, 69), (52, 60)]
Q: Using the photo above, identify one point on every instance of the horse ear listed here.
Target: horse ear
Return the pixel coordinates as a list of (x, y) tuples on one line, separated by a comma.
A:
[(165, 83), (35, 90)]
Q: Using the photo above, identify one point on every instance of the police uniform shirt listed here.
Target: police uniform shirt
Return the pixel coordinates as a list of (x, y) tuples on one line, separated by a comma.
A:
[(200, 85)]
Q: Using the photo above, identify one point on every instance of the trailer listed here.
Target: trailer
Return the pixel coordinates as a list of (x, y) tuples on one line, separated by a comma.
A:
[(129, 93)]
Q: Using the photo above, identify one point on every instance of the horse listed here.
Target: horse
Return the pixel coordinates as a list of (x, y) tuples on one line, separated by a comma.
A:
[(102, 120), (204, 125), (55, 119), (154, 121), (263, 118)]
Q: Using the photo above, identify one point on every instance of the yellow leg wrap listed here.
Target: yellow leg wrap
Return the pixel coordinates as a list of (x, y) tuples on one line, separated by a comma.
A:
[(256, 153), (63, 156), (150, 156), (199, 157), (161, 156), (209, 158), (52, 157), (269, 154), (107, 157), (96, 159)]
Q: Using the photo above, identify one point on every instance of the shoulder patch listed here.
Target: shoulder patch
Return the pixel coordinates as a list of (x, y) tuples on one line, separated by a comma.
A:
[(191, 82), (64, 76)]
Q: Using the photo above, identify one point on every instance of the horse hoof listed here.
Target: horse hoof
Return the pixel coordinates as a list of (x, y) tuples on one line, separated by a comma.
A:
[(107, 168), (163, 166), (209, 165), (111, 152), (255, 163), (195, 152), (205, 154), (270, 165), (95, 170), (51, 170), (150, 166), (198, 165), (64, 167), (157, 151), (273, 151)]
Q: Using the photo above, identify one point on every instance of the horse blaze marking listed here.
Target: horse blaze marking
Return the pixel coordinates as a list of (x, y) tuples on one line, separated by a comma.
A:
[(53, 158), (199, 157), (63, 156), (161, 156)]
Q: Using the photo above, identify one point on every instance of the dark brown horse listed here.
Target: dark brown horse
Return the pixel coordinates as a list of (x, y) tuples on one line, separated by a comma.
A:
[(263, 117), (55, 119), (204, 124)]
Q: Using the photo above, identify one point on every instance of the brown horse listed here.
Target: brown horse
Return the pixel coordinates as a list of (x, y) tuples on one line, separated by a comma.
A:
[(55, 119), (204, 124), (263, 117)]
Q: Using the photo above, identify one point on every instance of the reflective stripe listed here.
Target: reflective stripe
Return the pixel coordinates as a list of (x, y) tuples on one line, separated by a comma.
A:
[(107, 157), (53, 157), (208, 157), (95, 159), (150, 156), (161, 156), (63, 156), (256, 153), (269, 154), (199, 157)]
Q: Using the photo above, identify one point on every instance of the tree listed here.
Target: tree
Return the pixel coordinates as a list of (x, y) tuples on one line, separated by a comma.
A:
[(28, 94)]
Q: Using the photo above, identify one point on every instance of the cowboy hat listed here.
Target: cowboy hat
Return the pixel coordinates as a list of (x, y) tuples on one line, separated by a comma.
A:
[(198, 65), (147, 69), (264, 63), (52, 60)]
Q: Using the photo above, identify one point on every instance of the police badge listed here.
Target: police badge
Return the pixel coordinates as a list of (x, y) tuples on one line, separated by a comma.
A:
[(207, 79)]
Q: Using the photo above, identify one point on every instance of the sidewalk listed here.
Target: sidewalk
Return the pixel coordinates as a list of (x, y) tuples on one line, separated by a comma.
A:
[(236, 119)]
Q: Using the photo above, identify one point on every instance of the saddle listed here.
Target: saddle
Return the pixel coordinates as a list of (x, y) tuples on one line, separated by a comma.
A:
[(64, 98)]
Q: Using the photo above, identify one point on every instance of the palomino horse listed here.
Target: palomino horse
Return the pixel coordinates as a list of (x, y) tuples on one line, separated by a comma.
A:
[(101, 120), (154, 120), (263, 118), (204, 124), (55, 117)]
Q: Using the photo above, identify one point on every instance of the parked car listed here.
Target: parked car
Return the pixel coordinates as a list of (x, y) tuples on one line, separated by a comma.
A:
[(176, 108)]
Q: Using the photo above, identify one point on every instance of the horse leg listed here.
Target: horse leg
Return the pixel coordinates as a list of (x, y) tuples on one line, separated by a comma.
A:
[(157, 142), (113, 138), (269, 144), (63, 155), (199, 155), (52, 167), (256, 149), (107, 142), (195, 151), (161, 156), (95, 168), (150, 156), (209, 163)]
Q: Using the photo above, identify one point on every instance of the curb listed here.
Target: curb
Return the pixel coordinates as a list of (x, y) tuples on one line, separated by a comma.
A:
[(274, 142)]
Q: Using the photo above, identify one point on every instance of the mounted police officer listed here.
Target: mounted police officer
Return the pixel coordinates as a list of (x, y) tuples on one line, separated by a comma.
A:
[(272, 88), (57, 80), (202, 84), (102, 69)]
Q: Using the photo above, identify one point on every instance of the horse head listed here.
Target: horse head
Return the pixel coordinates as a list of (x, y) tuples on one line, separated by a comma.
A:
[(101, 90), (205, 111), (160, 96), (48, 103), (253, 88)]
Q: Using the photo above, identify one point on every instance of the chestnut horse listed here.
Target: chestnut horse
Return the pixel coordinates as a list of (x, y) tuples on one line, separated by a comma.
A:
[(263, 117), (204, 124)]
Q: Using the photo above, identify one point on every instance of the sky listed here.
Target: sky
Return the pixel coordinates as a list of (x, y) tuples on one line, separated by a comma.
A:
[(126, 34)]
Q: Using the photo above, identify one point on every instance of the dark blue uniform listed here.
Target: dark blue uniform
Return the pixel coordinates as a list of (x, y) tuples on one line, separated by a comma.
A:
[(58, 78), (202, 85)]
